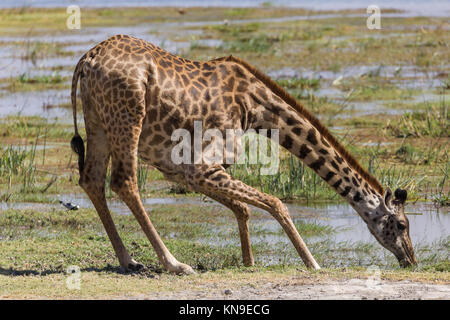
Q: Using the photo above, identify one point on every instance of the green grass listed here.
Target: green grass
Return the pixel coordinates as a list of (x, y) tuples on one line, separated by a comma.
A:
[(238, 12), (32, 194), (438, 267), (432, 154), (369, 121), (32, 127), (234, 30), (300, 83), (441, 195), (373, 87), (313, 229), (33, 50), (39, 83), (52, 79), (48, 241), (294, 180), (53, 239), (259, 43), (17, 168), (431, 122), (45, 20)]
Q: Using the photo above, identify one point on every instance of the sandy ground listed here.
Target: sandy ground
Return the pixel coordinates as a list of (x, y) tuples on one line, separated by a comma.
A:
[(348, 289)]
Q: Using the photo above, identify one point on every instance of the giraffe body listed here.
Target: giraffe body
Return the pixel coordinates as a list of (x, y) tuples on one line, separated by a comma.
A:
[(135, 95)]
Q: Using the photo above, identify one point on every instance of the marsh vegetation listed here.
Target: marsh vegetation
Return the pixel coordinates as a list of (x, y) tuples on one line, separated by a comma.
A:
[(383, 93)]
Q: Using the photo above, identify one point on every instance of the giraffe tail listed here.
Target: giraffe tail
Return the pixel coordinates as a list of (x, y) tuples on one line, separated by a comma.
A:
[(77, 143)]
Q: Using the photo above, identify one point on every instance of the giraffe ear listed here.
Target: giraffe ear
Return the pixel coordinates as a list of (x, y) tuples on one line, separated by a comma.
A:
[(388, 197), (400, 195)]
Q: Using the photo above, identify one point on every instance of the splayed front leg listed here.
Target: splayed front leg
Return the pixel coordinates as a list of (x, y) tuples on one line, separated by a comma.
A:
[(124, 183), (92, 180), (242, 213), (128, 193), (214, 179)]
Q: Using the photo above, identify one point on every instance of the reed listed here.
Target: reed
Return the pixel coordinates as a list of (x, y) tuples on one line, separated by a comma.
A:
[(17, 167), (431, 122)]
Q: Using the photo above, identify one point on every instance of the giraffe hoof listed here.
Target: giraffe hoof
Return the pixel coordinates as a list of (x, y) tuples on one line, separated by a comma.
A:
[(132, 266), (135, 266), (249, 263), (184, 269)]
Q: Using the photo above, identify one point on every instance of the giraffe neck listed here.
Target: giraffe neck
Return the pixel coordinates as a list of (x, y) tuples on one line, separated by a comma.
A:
[(303, 139)]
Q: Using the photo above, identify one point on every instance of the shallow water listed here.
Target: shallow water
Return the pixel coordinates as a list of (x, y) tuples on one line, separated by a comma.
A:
[(350, 242), (411, 8), (30, 147), (428, 223), (416, 75), (26, 103), (364, 108), (35, 103), (13, 65), (410, 77)]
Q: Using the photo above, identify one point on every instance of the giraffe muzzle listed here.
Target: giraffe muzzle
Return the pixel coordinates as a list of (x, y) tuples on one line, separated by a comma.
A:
[(408, 259)]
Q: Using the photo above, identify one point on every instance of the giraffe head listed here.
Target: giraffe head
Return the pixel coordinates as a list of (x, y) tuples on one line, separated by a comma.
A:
[(390, 226)]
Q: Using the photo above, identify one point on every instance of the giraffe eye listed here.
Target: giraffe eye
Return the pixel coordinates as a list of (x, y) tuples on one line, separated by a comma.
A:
[(401, 226)]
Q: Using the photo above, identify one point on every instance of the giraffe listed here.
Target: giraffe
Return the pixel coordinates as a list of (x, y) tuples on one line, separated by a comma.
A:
[(135, 94)]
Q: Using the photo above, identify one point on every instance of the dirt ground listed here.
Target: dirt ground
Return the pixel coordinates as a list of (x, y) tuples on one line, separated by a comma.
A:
[(290, 284), (347, 289)]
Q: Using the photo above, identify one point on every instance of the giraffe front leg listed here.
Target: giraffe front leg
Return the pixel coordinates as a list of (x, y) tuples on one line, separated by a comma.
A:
[(214, 179), (92, 180), (126, 262), (124, 183), (128, 192), (242, 213), (98, 200)]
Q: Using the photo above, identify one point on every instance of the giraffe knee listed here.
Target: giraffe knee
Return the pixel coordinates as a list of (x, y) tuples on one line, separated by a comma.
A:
[(279, 209), (121, 182), (85, 180), (122, 176), (117, 182), (91, 186), (241, 210)]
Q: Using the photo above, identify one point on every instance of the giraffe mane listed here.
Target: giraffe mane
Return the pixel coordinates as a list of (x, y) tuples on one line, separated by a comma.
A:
[(286, 97)]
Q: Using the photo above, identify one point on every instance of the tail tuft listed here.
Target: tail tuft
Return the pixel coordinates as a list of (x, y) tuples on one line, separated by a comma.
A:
[(77, 145)]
